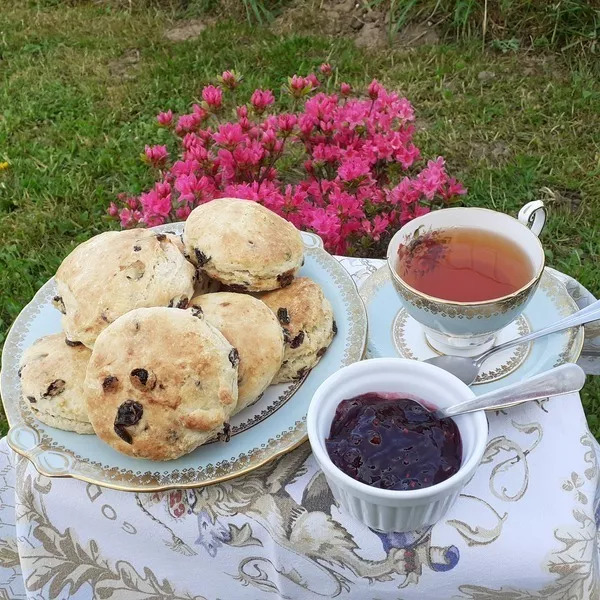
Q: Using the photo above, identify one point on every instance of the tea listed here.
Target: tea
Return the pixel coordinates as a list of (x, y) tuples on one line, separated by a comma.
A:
[(463, 265)]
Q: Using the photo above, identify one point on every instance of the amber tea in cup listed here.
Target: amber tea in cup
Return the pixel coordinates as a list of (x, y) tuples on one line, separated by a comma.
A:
[(463, 264)]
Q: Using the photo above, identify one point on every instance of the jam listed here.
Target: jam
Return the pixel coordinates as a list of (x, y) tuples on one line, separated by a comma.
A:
[(393, 443)]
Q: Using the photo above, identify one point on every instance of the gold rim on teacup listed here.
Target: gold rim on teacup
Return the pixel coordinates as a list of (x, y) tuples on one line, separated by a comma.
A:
[(391, 255)]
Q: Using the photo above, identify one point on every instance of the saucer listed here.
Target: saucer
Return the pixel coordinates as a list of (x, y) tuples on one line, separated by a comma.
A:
[(410, 342), (392, 332)]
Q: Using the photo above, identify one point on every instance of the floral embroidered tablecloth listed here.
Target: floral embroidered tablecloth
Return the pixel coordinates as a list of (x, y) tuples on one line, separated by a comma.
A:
[(526, 526)]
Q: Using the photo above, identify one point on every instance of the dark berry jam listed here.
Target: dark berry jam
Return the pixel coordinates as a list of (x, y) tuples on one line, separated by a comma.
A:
[(393, 443)]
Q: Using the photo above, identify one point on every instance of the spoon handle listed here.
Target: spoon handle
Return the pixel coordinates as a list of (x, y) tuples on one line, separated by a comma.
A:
[(585, 315), (560, 380)]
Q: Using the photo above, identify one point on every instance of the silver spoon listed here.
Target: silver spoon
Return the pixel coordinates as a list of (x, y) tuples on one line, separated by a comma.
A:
[(466, 368), (560, 380)]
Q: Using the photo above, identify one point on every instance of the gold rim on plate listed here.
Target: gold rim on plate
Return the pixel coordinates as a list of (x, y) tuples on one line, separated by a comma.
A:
[(37, 446)]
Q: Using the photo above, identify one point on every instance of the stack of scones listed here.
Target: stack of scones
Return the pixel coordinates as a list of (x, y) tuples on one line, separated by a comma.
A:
[(165, 340)]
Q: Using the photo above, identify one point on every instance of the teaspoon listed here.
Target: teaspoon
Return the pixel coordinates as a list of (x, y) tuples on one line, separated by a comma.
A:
[(466, 368), (555, 382)]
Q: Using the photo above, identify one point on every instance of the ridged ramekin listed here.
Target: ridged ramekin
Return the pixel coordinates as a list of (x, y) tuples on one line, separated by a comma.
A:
[(390, 510)]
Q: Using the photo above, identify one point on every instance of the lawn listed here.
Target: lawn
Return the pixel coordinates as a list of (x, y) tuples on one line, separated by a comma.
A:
[(80, 87)]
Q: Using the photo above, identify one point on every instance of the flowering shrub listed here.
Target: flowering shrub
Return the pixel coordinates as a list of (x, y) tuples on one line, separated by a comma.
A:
[(349, 173)]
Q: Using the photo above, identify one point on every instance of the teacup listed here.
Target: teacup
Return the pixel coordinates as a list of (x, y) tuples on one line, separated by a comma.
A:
[(469, 328)]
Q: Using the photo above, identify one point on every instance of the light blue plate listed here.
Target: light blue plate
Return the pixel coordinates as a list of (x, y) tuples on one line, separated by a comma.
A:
[(272, 426), (550, 303)]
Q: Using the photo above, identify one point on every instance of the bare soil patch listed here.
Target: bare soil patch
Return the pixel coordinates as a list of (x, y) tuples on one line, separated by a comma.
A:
[(367, 25), (186, 30)]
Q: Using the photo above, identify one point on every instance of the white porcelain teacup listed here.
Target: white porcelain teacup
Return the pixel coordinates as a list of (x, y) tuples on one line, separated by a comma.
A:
[(469, 328)]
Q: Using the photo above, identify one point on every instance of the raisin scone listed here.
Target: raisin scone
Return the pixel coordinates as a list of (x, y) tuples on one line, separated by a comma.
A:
[(52, 382), (244, 245), (205, 285), (160, 383), (308, 325), (251, 327), (115, 272)]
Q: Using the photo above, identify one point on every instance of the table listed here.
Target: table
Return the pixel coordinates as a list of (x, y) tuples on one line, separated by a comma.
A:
[(526, 526)]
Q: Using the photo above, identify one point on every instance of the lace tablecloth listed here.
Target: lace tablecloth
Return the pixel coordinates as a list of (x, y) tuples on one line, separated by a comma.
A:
[(526, 526)]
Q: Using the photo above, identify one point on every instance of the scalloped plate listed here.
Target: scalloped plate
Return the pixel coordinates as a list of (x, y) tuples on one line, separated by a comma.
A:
[(272, 426)]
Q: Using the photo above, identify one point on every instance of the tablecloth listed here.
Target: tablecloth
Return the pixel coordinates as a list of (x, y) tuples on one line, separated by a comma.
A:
[(525, 527)]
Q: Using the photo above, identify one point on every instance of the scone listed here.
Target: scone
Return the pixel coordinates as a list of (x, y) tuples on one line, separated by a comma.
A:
[(243, 245), (115, 272), (161, 382), (253, 329), (52, 382), (307, 320), (205, 285)]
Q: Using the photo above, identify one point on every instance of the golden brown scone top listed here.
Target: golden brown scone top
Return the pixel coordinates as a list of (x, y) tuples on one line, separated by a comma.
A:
[(242, 244), (52, 379), (308, 323), (115, 272), (161, 381), (251, 327)]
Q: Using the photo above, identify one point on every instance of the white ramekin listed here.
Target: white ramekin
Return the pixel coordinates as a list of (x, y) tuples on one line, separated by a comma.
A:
[(389, 510)]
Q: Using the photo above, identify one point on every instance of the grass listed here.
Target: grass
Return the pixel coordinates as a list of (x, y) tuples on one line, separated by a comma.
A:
[(80, 85), (565, 25)]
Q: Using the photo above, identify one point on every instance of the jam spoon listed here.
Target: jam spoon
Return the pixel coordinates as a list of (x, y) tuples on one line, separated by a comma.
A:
[(555, 382), (466, 368)]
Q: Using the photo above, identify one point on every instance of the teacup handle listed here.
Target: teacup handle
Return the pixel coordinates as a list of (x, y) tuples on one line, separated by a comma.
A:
[(533, 215)]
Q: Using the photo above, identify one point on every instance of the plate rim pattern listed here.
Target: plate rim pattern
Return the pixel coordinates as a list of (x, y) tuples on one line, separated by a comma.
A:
[(37, 446)]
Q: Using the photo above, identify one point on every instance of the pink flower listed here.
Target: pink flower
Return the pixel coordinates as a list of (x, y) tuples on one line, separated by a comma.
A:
[(313, 80), (200, 112), (453, 188), (213, 96), (165, 118), (261, 99), (431, 179), (126, 218), (249, 155), (345, 205), (374, 89), (405, 192), (353, 169), (229, 135), (152, 220), (155, 204), (380, 224), (299, 86), (325, 68), (184, 167), (188, 123), (407, 155), (326, 153), (194, 189), (421, 210), (325, 224), (269, 139), (306, 124), (286, 122), (163, 188), (183, 212), (342, 155), (229, 79), (156, 155)]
